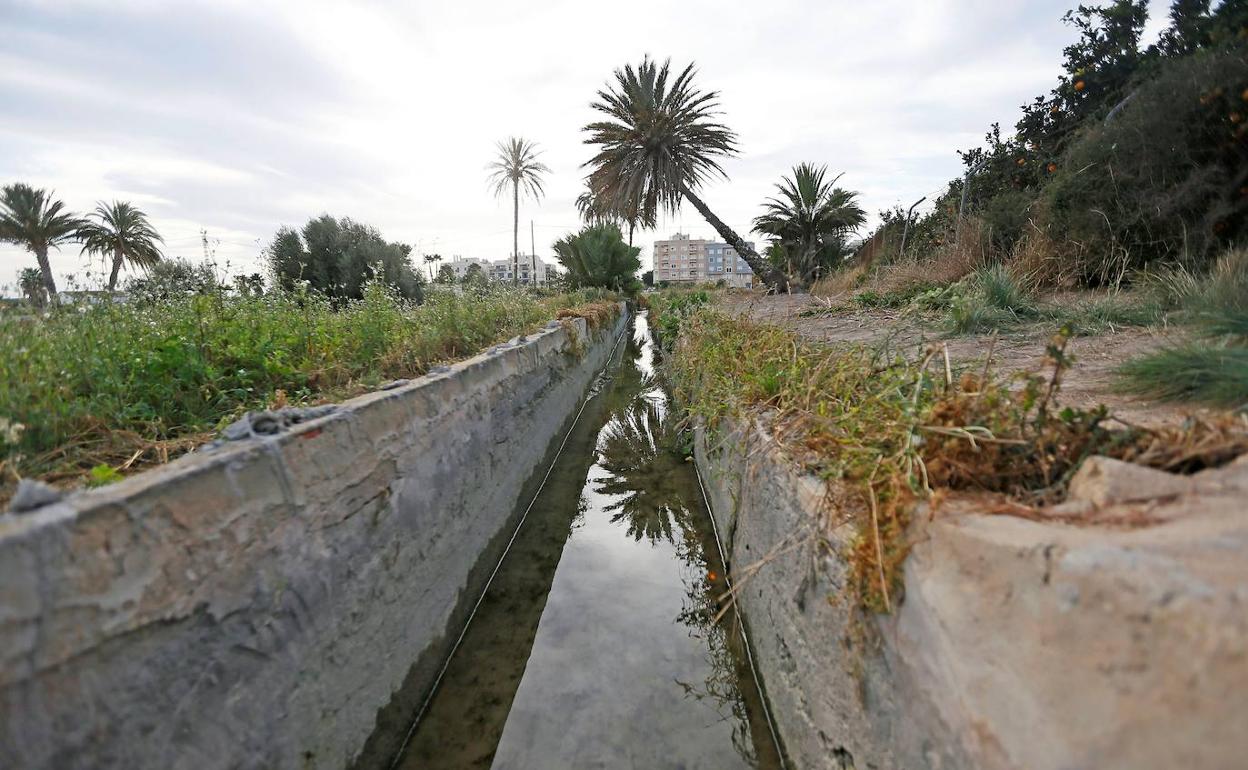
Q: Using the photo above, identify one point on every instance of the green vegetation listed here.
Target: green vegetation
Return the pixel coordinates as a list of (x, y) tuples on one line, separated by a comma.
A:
[(516, 166), (120, 233), (810, 223), (1211, 366), (669, 311), (993, 298), (338, 257), (659, 143), (597, 256), (126, 385), (1134, 160)]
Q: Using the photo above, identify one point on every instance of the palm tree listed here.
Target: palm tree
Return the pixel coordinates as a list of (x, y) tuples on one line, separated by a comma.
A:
[(659, 144), (517, 167), (598, 256), (31, 218), (30, 280), (595, 207), (120, 232), (811, 217)]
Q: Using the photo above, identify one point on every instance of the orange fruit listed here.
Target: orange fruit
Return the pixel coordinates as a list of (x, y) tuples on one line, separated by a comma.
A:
[(1052, 167), (1080, 85), (1236, 117), (1022, 162)]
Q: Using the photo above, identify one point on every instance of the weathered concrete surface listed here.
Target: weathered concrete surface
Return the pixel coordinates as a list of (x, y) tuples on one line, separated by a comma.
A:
[(1020, 643), (257, 605)]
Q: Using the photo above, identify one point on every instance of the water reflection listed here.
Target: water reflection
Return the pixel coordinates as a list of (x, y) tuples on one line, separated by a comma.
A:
[(596, 646)]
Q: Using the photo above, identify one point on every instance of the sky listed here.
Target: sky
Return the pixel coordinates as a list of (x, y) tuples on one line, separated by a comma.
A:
[(236, 118)]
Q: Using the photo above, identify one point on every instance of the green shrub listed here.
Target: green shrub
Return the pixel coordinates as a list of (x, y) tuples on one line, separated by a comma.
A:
[(1163, 178)]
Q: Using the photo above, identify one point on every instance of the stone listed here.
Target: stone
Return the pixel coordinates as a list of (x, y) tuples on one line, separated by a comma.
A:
[(32, 494), (1105, 481)]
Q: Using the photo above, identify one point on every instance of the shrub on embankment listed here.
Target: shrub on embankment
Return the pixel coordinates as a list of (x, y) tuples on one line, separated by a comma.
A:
[(1138, 156), (113, 387), (886, 431)]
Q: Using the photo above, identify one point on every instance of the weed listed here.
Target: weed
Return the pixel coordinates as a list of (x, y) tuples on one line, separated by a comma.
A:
[(128, 385)]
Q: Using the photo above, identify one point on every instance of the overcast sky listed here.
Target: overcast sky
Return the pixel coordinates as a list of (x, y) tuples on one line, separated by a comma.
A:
[(239, 117)]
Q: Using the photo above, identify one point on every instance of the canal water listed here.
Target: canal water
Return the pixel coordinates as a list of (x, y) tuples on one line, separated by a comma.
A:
[(595, 645)]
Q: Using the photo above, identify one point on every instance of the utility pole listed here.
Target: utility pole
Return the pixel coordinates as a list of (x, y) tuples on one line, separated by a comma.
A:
[(533, 253), (905, 231)]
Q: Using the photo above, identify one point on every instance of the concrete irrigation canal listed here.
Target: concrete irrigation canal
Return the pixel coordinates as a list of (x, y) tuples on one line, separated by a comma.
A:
[(509, 563), (596, 644)]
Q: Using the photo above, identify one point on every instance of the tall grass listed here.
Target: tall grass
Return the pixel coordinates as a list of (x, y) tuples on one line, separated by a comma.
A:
[(1212, 366), (121, 384), (994, 298)]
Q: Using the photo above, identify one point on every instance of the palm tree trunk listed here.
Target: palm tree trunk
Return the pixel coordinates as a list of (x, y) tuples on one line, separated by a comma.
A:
[(45, 269), (770, 275), (112, 279), (515, 233)]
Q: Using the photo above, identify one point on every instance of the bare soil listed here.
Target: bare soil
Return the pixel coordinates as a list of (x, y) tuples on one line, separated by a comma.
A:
[(1089, 382)]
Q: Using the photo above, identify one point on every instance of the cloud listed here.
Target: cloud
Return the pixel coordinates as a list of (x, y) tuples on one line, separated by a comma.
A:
[(239, 117)]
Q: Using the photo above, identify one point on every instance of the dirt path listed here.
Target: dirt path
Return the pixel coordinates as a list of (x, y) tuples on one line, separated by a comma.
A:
[(1090, 381)]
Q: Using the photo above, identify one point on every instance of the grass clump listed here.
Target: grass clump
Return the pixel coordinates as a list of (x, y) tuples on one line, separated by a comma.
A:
[(671, 308), (1211, 366), (885, 432), (991, 298), (128, 385)]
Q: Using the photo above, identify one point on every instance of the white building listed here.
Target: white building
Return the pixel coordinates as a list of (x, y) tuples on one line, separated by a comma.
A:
[(461, 264), (501, 270)]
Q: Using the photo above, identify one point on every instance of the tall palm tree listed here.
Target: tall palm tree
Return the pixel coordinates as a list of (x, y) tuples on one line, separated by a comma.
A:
[(31, 218), (517, 167), (660, 143), (811, 217), (120, 232)]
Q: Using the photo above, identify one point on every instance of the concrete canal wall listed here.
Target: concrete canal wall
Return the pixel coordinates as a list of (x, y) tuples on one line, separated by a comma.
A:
[(268, 602), (1117, 642)]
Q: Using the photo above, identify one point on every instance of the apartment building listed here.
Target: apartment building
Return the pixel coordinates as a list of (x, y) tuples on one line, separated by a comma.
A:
[(501, 270), (685, 259)]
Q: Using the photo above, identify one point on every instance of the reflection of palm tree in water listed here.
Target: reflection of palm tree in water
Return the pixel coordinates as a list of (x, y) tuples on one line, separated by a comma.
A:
[(637, 452), (643, 471)]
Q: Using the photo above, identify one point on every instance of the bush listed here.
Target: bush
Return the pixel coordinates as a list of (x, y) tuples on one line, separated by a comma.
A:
[(338, 257), (172, 279), (598, 256), (1164, 179)]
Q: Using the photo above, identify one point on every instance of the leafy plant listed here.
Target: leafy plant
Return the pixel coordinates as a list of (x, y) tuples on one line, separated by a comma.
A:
[(598, 256), (337, 257)]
